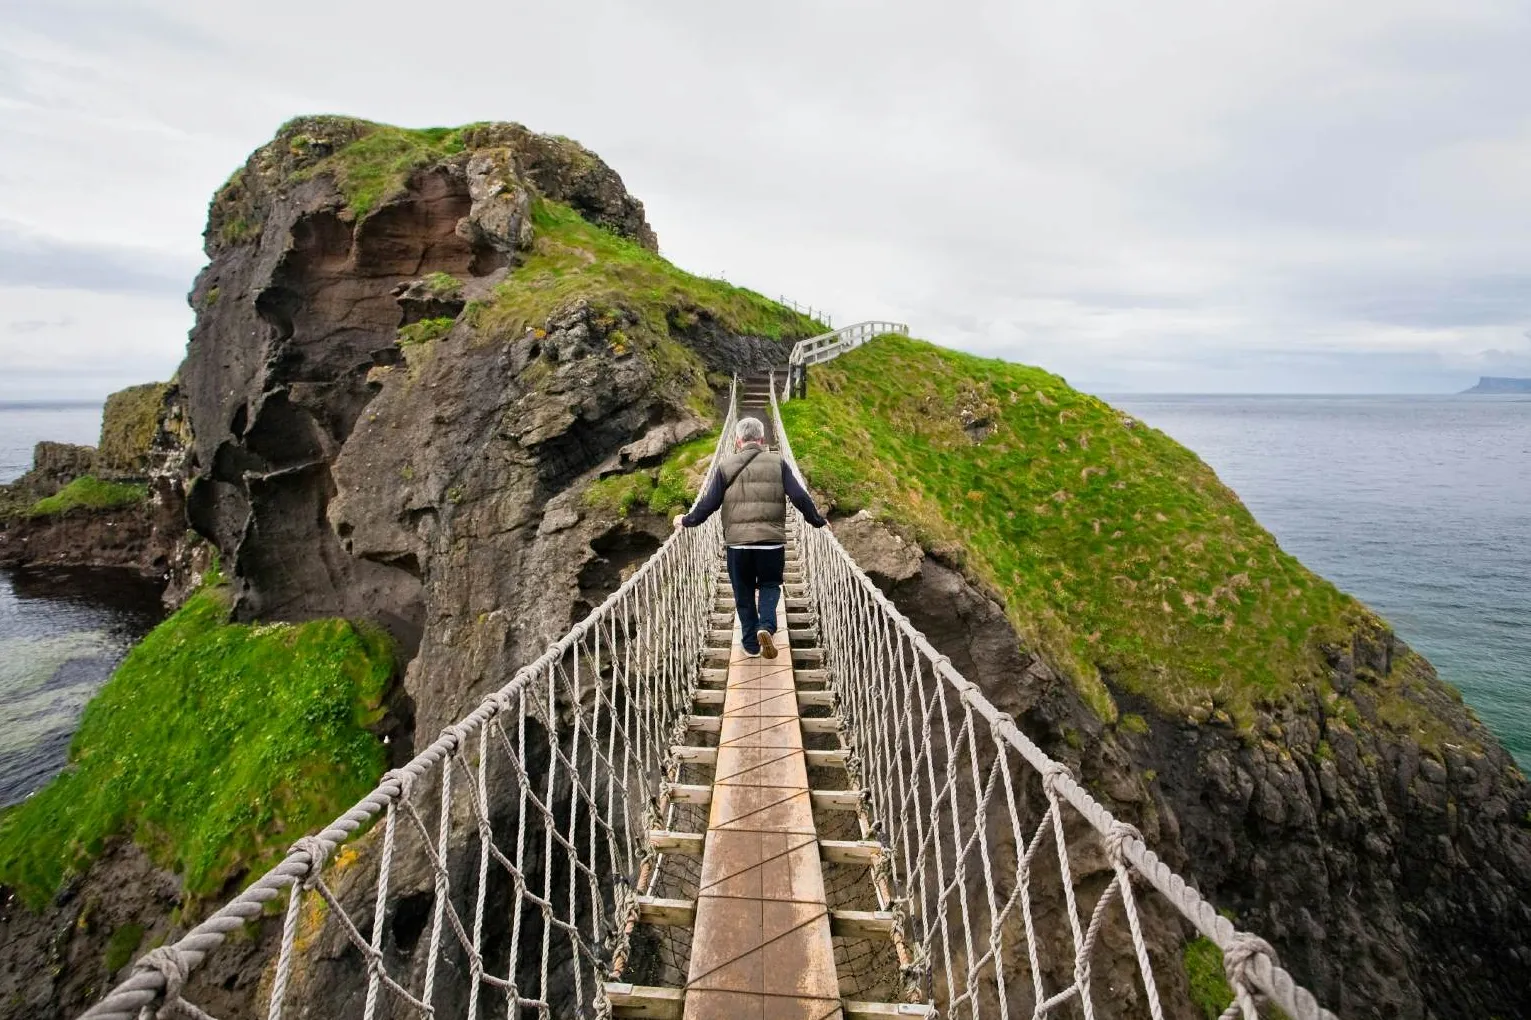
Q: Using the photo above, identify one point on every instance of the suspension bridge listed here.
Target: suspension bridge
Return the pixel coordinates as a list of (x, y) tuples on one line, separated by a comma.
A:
[(645, 823)]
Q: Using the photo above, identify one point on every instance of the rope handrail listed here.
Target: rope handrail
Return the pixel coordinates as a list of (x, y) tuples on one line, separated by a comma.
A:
[(879, 660), (640, 647)]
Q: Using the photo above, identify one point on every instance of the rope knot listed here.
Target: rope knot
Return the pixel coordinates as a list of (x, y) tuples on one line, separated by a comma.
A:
[(167, 961), (1116, 840), (318, 852), (405, 779), (1240, 956), (1053, 772), (458, 733)]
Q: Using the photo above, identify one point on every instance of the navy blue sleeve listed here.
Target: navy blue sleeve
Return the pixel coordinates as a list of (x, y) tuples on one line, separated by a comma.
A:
[(709, 503), (799, 496)]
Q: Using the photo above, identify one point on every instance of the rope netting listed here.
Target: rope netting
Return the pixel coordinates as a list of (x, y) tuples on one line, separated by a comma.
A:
[(1015, 892), (499, 871)]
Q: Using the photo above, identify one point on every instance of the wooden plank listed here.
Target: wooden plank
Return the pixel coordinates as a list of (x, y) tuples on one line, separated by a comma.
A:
[(852, 1010), (708, 697), (835, 800), (807, 656), (722, 637), (646, 1001), (860, 924), (796, 605), (678, 913), (715, 676), (690, 793), (849, 851), (693, 755), (830, 724), (826, 759), (705, 723), (811, 676), (672, 842), (815, 699)]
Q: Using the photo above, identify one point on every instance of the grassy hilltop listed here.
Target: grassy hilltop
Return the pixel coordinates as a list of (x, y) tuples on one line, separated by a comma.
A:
[(1118, 554)]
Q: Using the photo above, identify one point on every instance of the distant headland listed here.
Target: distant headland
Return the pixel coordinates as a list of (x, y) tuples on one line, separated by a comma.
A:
[(1500, 384)]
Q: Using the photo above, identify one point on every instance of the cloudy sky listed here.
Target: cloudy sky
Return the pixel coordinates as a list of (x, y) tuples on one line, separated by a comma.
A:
[(1292, 196)]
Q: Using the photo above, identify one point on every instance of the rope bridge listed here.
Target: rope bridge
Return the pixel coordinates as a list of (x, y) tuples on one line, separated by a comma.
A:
[(541, 856)]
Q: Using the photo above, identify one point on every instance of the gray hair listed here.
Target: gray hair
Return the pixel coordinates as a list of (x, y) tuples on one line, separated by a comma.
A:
[(749, 430)]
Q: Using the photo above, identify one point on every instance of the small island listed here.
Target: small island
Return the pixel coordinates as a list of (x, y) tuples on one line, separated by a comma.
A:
[(1500, 384)]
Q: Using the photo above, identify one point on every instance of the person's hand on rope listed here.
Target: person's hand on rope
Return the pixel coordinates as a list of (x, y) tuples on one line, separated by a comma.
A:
[(680, 521)]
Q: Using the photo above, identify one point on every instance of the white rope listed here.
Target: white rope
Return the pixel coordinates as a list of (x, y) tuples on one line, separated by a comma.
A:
[(935, 754), (592, 720), (561, 773)]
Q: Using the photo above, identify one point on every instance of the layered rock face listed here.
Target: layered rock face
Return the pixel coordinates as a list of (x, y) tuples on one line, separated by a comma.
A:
[(1392, 884), (344, 468), (385, 423)]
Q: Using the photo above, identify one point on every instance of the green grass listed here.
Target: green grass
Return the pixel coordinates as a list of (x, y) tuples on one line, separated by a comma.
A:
[(1117, 552), (213, 746), (573, 259), (88, 493), (1210, 991), (124, 942), (425, 331), (643, 304), (667, 489), (377, 166), (443, 285)]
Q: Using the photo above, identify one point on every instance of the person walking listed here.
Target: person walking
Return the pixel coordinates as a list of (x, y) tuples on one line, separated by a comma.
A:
[(751, 487)]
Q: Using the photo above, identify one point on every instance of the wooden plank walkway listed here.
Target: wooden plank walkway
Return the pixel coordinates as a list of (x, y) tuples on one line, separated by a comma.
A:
[(762, 948)]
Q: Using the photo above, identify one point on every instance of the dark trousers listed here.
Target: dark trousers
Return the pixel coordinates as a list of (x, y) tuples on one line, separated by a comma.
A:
[(752, 572)]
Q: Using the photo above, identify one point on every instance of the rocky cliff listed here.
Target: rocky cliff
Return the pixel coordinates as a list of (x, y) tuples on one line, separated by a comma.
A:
[(419, 353), (1500, 384), (118, 504), (1273, 739), (414, 352)]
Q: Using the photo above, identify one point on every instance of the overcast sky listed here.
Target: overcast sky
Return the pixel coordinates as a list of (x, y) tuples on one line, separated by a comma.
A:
[(1292, 196)]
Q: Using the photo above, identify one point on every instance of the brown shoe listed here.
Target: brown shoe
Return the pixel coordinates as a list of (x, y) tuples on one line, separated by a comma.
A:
[(767, 643)]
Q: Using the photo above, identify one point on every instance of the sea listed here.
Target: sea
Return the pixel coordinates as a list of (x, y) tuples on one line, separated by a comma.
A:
[(62, 631), (1420, 506)]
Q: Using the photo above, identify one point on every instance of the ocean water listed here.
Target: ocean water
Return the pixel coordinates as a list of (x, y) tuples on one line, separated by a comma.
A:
[(22, 426), (1418, 506), (62, 631)]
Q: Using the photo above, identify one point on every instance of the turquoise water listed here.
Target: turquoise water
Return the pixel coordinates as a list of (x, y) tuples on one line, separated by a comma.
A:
[(1418, 506)]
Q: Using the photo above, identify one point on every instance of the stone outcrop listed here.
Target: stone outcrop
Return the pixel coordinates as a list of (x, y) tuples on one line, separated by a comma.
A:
[(429, 480), (1392, 876), (142, 441)]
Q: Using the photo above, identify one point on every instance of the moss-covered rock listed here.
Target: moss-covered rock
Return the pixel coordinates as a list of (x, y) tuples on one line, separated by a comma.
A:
[(214, 746), (128, 425), (1119, 555), (88, 493)]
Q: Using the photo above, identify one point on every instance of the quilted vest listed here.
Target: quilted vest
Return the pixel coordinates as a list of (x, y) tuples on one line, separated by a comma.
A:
[(755, 505)]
